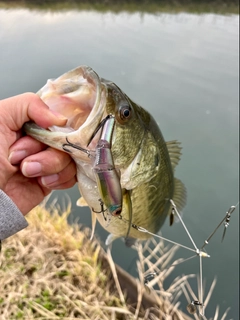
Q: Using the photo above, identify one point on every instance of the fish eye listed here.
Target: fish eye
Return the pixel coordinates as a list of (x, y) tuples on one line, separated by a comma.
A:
[(125, 112)]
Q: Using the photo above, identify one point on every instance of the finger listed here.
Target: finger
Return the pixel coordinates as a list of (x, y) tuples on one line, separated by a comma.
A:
[(47, 162), (66, 185), (66, 175), (58, 185), (23, 148), (29, 106)]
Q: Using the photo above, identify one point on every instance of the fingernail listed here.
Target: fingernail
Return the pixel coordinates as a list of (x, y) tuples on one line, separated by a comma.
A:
[(49, 180), (30, 169), (17, 156), (58, 115)]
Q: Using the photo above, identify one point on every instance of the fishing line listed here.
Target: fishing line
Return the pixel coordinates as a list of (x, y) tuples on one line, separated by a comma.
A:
[(201, 282), (160, 237), (141, 229), (186, 229), (184, 260)]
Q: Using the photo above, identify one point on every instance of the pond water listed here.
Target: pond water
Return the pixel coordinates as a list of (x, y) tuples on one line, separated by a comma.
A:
[(183, 68)]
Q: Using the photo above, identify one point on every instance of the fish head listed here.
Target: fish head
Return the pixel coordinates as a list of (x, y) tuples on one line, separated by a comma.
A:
[(85, 100), (129, 130)]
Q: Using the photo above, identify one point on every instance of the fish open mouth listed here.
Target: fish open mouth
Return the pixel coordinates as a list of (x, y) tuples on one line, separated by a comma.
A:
[(80, 96), (75, 94)]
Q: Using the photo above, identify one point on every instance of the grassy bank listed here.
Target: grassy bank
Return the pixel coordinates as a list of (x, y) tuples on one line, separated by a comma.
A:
[(51, 270), (144, 6)]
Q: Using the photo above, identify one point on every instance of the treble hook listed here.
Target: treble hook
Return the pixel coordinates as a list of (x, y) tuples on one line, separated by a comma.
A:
[(102, 209), (70, 144)]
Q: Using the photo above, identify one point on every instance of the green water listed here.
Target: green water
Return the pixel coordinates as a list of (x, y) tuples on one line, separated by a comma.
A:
[(181, 67)]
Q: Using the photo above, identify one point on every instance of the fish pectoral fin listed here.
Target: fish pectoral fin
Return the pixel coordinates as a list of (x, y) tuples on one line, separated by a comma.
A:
[(94, 220), (179, 198), (174, 151), (81, 202), (144, 166), (110, 239)]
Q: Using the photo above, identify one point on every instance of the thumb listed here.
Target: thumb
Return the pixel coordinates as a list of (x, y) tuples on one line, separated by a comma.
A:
[(29, 106)]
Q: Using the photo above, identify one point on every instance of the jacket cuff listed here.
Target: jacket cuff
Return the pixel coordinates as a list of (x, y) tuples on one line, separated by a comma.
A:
[(11, 218)]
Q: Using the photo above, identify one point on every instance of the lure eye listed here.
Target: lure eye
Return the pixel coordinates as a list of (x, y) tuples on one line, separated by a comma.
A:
[(125, 112)]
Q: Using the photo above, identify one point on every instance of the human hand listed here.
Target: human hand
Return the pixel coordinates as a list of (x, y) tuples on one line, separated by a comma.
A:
[(29, 170)]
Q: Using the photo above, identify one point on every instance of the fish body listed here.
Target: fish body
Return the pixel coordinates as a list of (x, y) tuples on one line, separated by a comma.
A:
[(144, 163)]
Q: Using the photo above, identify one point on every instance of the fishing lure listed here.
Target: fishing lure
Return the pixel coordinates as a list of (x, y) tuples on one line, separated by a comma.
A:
[(107, 177)]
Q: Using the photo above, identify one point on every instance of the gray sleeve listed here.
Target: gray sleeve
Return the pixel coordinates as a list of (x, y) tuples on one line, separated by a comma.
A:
[(11, 219)]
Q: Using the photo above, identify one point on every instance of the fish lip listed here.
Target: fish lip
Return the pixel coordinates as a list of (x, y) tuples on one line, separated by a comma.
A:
[(98, 111), (93, 109)]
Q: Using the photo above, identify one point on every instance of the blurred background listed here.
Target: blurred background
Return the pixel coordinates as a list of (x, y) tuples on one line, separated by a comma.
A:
[(179, 60)]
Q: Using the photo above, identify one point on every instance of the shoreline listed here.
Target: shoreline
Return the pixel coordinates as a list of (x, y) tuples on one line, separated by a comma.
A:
[(151, 6)]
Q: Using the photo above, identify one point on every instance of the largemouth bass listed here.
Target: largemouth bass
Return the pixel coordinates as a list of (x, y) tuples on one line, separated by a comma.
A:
[(133, 186)]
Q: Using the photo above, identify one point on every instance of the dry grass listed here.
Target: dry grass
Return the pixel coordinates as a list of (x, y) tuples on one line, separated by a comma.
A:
[(51, 270)]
